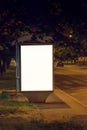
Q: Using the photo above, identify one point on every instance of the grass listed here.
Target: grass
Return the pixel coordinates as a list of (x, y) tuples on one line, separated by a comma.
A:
[(7, 107), (40, 125), (4, 95)]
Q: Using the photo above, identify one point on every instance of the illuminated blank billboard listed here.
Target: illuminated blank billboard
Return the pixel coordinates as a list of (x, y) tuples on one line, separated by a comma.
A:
[(36, 68)]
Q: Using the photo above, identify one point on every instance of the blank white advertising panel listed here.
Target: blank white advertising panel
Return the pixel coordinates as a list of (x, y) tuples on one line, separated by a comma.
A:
[(36, 68)]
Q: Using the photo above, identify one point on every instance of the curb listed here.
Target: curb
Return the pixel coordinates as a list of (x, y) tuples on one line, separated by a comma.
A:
[(74, 99)]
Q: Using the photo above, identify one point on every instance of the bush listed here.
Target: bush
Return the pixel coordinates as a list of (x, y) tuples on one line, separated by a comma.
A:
[(4, 95)]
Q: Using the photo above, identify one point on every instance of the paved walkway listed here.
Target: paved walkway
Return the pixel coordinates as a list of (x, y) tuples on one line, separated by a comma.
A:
[(62, 106)]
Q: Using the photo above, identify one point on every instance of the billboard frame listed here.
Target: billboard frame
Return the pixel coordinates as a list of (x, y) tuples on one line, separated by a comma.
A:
[(43, 94)]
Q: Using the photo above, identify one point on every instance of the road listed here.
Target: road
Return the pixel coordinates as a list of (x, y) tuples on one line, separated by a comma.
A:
[(73, 80)]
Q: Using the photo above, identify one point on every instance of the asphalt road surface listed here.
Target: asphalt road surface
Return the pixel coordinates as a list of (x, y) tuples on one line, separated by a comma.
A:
[(73, 80)]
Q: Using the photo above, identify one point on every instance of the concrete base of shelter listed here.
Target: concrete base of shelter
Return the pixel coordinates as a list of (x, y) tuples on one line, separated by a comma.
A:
[(41, 96), (37, 96)]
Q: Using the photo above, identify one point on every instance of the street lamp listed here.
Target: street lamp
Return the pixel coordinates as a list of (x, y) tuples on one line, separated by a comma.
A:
[(70, 35)]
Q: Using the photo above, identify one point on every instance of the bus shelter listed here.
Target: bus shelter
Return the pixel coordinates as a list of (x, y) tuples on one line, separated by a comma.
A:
[(34, 70)]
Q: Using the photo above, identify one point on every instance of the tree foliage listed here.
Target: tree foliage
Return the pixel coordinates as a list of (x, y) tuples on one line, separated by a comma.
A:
[(69, 33)]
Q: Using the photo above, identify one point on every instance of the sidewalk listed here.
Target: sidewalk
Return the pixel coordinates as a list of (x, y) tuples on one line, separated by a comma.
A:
[(64, 107)]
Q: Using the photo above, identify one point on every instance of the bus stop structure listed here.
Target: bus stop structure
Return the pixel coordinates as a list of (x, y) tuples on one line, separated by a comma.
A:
[(34, 70)]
